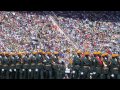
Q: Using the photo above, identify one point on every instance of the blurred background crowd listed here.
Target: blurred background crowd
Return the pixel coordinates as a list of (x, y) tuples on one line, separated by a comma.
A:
[(87, 30)]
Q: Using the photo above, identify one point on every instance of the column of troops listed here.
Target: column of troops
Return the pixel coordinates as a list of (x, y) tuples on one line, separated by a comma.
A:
[(46, 65)]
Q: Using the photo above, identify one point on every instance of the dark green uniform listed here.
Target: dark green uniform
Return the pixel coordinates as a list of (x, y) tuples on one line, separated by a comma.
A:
[(25, 67), (76, 67), (114, 67), (47, 67), (86, 67), (96, 67), (5, 73), (105, 70), (1, 67), (118, 76), (55, 68), (36, 70), (62, 70), (39, 66), (12, 68), (18, 67), (30, 63)]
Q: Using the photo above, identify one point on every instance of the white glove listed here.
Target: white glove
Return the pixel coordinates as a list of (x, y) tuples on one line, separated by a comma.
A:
[(94, 72), (10, 70), (112, 75), (73, 72), (30, 70), (23, 69), (2, 69), (82, 73), (15, 70), (36, 70), (91, 73)]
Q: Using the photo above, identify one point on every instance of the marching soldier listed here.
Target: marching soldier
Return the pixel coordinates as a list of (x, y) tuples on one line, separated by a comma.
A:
[(36, 69), (18, 66), (114, 67), (118, 77), (31, 65), (96, 64), (12, 63), (5, 70), (40, 66), (105, 70), (76, 64), (48, 65), (86, 66), (62, 69), (55, 66), (1, 66), (25, 65)]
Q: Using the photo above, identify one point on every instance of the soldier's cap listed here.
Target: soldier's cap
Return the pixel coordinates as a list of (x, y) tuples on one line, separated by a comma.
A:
[(104, 54), (87, 53), (34, 53), (43, 53), (115, 55), (39, 51), (97, 53), (48, 53), (1, 53), (6, 53), (56, 53), (12, 53), (79, 52), (20, 53), (94, 53)]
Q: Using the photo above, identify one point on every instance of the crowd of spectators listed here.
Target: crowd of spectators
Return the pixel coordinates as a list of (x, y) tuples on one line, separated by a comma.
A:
[(88, 30)]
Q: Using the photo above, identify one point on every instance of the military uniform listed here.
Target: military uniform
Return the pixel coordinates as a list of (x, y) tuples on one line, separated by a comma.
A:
[(18, 67), (97, 65), (48, 65), (31, 66), (5, 69), (12, 69), (25, 66), (76, 67), (40, 66), (118, 77), (37, 66), (55, 66), (62, 70), (114, 71), (87, 64), (1, 66), (106, 69)]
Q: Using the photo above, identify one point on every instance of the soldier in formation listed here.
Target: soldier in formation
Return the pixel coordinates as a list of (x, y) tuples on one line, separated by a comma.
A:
[(49, 65)]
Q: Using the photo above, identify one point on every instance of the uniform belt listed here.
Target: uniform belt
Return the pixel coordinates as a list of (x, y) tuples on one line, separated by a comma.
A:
[(12, 65), (39, 63), (17, 64), (77, 65), (85, 66), (115, 68), (105, 68), (47, 65), (5, 65)]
